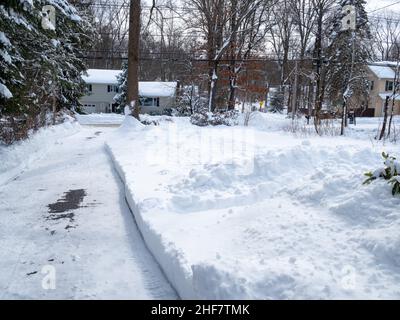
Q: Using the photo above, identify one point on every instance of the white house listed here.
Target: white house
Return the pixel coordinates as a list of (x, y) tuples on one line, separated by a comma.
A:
[(102, 87)]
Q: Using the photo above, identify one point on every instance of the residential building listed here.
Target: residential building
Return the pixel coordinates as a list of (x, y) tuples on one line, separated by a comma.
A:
[(102, 86), (381, 80)]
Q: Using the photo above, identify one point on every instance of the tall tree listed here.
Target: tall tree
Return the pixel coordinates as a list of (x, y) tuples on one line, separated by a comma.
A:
[(281, 37), (41, 63), (348, 57), (133, 57), (321, 8), (304, 20)]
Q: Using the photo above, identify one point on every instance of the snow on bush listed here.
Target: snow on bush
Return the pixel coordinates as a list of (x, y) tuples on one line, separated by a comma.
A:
[(391, 173), (204, 118)]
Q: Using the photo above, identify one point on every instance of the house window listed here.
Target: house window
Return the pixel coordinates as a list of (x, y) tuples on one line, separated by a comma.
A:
[(112, 88), (372, 85), (89, 88), (389, 86), (149, 102)]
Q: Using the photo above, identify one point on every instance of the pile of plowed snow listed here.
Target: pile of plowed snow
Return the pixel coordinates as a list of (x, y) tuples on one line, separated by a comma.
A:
[(19, 156), (238, 213)]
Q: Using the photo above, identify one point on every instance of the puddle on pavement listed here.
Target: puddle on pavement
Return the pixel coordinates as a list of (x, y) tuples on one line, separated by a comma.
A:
[(63, 210), (71, 200)]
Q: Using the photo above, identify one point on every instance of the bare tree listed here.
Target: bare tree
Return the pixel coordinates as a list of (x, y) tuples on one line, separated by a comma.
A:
[(321, 8), (386, 35), (304, 15), (281, 36), (248, 37), (219, 21)]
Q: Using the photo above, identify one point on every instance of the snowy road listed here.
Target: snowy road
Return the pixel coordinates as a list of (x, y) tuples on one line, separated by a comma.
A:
[(67, 233)]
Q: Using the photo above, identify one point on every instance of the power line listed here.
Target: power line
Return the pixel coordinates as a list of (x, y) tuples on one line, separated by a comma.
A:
[(384, 7), (263, 59)]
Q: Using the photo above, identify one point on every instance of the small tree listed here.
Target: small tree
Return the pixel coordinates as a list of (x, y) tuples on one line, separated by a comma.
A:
[(277, 101), (120, 98)]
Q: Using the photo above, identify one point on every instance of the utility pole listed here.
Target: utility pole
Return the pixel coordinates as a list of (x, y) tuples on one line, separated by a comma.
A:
[(133, 58)]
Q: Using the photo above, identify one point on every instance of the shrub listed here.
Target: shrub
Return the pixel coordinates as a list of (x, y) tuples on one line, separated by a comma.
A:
[(202, 117), (390, 173)]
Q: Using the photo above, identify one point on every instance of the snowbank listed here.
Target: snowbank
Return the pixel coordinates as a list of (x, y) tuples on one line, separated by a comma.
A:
[(254, 213), (100, 119), (19, 156)]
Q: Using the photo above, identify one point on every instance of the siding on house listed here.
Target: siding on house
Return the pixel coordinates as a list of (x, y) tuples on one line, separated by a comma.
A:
[(379, 76), (103, 89), (99, 98)]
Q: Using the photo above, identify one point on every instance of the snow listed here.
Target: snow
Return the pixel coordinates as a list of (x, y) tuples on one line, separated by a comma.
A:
[(5, 92), (6, 57), (96, 254), (18, 157), (386, 63), (4, 40), (151, 89), (384, 95), (258, 213), (239, 212), (382, 72), (100, 76), (100, 119), (157, 89)]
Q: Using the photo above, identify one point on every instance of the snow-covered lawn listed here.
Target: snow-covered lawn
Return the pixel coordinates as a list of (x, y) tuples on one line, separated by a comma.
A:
[(259, 213), (101, 119), (65, 229)]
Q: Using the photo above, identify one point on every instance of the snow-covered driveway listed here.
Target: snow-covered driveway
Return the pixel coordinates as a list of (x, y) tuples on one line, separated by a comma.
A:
[(64, 223)]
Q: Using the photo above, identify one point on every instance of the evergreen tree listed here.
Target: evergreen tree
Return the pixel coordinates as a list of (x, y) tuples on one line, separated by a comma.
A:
[(277, 101), (40, 68), (120, 98), (348, 55)]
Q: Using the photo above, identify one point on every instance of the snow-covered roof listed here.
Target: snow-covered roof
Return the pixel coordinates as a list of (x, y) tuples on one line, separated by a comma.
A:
[(382, 72), (149, 89), (157, 89), (101, 76), (385, 63), (383, 96)]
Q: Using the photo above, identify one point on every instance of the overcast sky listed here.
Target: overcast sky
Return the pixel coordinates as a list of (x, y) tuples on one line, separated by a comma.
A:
[(375, 4)]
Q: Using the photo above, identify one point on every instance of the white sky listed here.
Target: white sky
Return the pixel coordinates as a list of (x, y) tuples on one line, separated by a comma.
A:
[(375, 4)]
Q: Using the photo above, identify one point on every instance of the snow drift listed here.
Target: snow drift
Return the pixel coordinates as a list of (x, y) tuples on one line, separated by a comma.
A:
[(21, 155), (293, 221)]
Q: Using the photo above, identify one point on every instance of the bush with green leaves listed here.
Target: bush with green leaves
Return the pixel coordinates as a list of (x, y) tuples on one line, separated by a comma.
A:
[(390, 173)]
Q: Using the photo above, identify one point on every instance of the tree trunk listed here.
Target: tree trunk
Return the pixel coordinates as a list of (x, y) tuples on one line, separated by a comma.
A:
[(54, 107), (391, 118), (385, 116), (344, 112), (318, 53), (295, 91), (133, 57), (232, 64)]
